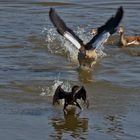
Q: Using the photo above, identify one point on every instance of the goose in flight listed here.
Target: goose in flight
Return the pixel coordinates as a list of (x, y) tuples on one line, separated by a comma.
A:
[(87, 55)]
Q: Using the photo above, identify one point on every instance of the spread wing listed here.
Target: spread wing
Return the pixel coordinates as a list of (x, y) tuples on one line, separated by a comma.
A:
[(59, 94), (106, 30), (81, 94), (64, 30)]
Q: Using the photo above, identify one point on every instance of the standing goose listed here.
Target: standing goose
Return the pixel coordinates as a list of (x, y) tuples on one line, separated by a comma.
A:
[(128, 40), (87, 55)]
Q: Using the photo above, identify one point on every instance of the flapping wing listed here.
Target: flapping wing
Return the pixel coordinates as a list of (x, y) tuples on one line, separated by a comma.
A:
[(59, 94), (64, 30), (99, 41), (106, 30), (81, 94)]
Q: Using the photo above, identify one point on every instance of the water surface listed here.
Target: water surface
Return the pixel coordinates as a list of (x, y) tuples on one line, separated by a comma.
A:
[(34, 59)]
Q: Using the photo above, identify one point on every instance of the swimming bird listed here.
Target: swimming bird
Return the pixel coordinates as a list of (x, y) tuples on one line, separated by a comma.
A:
[(127, 40), (70, 98), (87, 55)]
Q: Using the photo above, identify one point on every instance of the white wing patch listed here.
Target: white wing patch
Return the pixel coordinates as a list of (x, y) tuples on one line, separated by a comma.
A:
[(101, 40), (133, 42), (70, 37)]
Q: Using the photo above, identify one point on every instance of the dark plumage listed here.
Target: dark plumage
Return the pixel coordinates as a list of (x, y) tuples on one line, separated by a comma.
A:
[(70, 98), (109, 27), (61, 26), (87, 54)]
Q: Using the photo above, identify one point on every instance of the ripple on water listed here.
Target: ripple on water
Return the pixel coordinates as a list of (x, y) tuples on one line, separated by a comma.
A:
[(32, 55)]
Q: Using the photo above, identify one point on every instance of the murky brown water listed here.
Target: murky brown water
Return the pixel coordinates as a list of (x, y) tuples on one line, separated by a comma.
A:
[(34, 59)]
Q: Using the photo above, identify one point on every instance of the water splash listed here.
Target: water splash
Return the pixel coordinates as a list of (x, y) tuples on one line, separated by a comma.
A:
[(57, 44), (100, 52), (50, 34), (72, 52), (50, 90)]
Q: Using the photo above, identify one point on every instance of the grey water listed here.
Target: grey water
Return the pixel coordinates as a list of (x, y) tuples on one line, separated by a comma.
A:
[(35, 59)]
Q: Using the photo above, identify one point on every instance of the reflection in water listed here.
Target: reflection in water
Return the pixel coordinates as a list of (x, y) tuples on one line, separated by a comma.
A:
[(114, 125), (71, 124), (134, 51), (85, 76), (31, 59)]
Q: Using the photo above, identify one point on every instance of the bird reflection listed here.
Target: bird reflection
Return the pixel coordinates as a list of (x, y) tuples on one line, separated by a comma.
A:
[(114, 124), (85, 75), (132, 51), (71, 124)]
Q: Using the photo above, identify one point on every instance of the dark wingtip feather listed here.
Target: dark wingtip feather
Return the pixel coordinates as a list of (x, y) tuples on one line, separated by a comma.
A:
[(61, 26), (119, 15), (51, 13), (113, 22), (117, 19), (57, 21), (120, 9), (59, 94), (51, 9)]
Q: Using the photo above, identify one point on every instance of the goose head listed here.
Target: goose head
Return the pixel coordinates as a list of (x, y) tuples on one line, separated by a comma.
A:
[(121, 30)]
